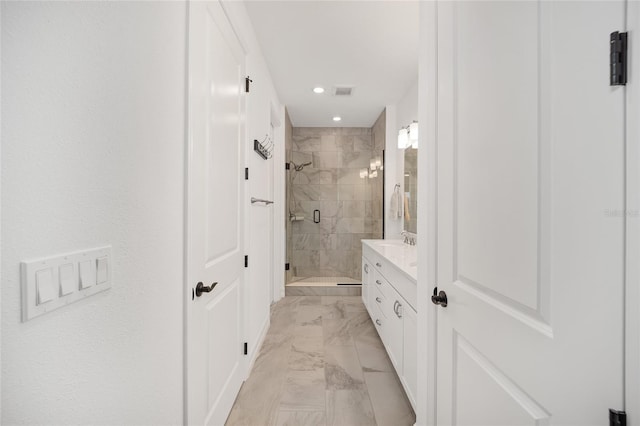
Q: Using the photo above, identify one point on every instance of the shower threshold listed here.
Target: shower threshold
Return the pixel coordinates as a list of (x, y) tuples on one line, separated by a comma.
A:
[(323, 286)]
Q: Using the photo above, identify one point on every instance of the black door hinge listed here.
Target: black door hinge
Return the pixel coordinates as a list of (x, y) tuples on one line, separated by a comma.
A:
[(247, 83), (617, 418), (246, 173), (246, 261), (618, 59), (246, 348), (286, 266), (287, 166)]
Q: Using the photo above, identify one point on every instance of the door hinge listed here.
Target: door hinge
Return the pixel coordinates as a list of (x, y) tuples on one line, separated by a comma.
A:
[(617, 418), (246, 261), (246, 173), (247, 83), (286, 266), (287, 166), (618, 59), (246, 348)]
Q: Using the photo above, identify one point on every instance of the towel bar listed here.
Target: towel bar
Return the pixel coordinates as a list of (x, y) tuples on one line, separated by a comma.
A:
[(260, 200)]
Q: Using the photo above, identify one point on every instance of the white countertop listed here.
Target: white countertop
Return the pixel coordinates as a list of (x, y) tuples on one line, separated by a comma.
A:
[(403, 256)]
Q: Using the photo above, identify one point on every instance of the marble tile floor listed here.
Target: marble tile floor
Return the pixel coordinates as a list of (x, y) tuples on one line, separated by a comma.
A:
[(322, 363)]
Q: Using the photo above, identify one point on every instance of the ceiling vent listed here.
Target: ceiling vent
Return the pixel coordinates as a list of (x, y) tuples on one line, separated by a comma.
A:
[(342, 90)]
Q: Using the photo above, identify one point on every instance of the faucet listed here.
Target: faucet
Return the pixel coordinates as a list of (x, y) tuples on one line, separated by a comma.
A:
[(408, 239)]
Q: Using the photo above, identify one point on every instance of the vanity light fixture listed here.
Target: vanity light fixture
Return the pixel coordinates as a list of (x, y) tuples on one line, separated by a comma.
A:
[(403, 138), (413, 134), (337, 118), (318, 90)]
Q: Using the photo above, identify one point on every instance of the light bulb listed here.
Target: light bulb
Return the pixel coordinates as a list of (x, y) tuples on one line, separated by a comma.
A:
[(403, 139)]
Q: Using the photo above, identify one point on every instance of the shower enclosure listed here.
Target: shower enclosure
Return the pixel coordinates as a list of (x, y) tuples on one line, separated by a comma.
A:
[(334, 200)]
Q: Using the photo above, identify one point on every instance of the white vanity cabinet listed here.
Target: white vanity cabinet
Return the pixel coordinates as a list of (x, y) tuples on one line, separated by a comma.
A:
[(391, 299), (366, 267)]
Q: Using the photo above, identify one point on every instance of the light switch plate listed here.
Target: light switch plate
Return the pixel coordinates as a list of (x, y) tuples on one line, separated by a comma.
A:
[(61, 285)]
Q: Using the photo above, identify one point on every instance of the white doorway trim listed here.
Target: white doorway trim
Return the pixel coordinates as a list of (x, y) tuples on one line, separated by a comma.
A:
[(632, 220), (279, 230), (427, 217)]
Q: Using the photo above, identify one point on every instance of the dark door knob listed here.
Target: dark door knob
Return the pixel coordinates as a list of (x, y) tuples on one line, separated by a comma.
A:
[(439, 298), (201, 288)]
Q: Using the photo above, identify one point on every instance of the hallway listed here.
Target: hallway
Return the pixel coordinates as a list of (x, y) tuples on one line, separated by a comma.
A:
[(322, 363)]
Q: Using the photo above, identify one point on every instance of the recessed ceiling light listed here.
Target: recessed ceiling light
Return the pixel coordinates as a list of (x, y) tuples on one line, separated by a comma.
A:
[(318, 90), (336, 118)]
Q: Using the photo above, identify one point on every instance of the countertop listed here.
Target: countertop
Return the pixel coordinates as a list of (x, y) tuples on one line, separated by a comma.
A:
[(403, 256)]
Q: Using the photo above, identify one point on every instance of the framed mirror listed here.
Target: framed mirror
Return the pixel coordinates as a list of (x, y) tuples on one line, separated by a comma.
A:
[(410, 189)]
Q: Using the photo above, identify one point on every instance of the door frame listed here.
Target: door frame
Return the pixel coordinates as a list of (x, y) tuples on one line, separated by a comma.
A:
[(632, 226), (187, 284), (427, 213)]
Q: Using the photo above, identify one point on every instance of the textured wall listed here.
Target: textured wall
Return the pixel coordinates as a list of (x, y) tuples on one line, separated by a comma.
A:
[(350, 206), (93, 128)]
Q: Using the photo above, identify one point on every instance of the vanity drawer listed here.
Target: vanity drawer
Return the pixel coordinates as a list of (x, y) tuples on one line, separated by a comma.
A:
[(379, 320), (378, 298)]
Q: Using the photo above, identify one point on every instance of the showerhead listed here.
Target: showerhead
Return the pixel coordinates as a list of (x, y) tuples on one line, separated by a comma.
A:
[(299, 167)]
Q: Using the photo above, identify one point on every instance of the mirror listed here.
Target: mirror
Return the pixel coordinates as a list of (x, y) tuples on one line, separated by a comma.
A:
[(411, 190)]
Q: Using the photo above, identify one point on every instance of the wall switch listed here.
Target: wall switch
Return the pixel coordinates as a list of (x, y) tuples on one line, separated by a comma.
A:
[(87, 274), (102, 273), (68, 279), (53, 282), (44, 285)]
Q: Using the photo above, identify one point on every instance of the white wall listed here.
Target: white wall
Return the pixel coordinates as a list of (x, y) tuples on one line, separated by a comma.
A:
[(263, 106), (399, 115), (93, 128)]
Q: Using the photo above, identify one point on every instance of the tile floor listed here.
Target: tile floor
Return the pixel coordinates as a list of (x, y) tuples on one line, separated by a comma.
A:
[(322, 363)]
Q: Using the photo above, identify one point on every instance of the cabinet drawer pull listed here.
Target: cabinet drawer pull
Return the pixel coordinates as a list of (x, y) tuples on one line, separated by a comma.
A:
[(378, 300), (397, 309), (379, 265), (378, 322), (378, 282)]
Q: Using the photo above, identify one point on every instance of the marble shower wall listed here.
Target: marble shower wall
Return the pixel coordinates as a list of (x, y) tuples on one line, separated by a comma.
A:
[(350, 206)]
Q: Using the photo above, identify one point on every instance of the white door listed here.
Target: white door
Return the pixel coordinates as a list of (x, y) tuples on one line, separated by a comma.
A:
[(530, 174), (214, 346)]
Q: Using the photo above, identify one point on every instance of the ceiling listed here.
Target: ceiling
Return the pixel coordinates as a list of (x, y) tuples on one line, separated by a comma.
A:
[(370, 45)]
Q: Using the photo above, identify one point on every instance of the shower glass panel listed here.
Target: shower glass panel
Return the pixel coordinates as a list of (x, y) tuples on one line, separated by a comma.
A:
[(334, 200)]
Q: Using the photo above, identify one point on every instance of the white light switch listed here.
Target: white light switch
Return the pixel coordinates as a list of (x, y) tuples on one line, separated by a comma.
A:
[(102, 275), (56, 282), (68, 280), (44, 285), (87, 274)]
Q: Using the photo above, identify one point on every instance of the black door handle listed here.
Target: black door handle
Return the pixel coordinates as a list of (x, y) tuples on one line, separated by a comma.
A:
[(439, 298), (201, 288), (316, 216)]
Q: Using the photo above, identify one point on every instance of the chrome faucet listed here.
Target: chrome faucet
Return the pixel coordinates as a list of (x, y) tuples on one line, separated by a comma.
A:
[(408, 238)]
